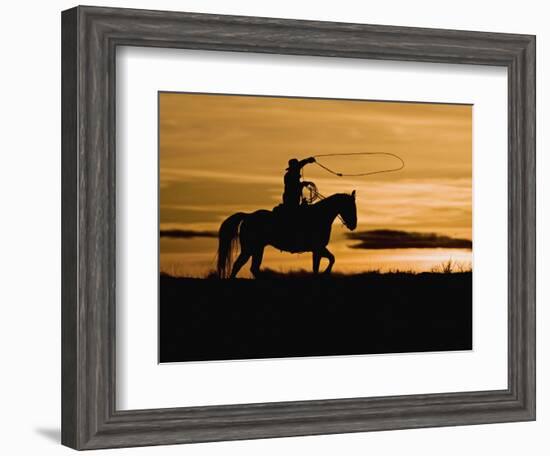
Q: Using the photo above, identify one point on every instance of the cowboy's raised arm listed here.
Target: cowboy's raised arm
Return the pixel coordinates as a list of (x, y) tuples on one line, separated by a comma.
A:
[(304, 162)]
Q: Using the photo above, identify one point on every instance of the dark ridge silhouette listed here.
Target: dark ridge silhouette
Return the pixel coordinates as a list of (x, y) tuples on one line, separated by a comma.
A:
[(187, 234), (313, 315), (392, 239)]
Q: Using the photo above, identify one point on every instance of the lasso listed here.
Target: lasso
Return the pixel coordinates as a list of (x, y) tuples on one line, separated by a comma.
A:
[(314, 194), (389, 170)]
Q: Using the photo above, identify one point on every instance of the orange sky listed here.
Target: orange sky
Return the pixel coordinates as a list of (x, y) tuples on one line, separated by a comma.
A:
[(222, 154)]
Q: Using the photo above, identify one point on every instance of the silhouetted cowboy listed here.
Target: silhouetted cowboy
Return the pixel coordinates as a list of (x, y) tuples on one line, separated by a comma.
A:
[(292, 196)]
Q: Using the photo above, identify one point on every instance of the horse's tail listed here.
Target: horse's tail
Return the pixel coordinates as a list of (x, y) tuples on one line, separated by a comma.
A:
[(227, 243)]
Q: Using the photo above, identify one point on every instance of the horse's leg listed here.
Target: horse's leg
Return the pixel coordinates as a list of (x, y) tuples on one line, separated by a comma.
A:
[(257, 257), (316, 261), (239, 263), (327, 254)]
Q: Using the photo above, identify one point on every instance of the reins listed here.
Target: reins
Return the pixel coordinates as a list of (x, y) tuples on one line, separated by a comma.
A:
[(315, 194)]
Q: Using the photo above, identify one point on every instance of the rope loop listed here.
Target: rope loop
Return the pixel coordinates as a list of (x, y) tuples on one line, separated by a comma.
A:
[(314, 193), (389, 170)]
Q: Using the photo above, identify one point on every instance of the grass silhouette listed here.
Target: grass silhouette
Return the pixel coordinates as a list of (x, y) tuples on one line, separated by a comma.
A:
[(446, 267)]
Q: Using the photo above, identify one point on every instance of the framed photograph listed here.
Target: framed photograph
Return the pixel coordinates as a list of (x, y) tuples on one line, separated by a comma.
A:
[(279, 227)]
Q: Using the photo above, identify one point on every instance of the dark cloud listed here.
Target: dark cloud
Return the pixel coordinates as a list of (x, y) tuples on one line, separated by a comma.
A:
[(391, 239), (187, 234)]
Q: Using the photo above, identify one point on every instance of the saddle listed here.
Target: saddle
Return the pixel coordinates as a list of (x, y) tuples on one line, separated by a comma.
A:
[(290, 222), (290, 213)]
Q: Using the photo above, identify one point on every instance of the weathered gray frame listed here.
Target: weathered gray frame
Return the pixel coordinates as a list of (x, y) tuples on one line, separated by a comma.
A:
[(90, 36)]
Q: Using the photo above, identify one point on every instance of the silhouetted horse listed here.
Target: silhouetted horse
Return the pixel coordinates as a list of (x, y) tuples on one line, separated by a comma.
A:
[(305, 229)]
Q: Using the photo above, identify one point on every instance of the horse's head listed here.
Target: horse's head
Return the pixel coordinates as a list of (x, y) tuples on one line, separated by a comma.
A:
[(349, 211)]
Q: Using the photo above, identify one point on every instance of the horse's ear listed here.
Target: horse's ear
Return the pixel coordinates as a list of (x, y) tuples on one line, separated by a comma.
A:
[(353, 193)]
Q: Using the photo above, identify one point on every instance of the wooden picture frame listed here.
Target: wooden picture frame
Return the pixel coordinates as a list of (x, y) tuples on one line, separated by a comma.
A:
[(90, 36)]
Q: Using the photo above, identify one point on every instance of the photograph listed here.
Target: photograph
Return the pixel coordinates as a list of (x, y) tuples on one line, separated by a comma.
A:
[(293, 227), (276, 221)]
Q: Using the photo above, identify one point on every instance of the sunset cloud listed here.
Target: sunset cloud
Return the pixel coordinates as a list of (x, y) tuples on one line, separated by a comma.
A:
[(187, 234), (391, 239)]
